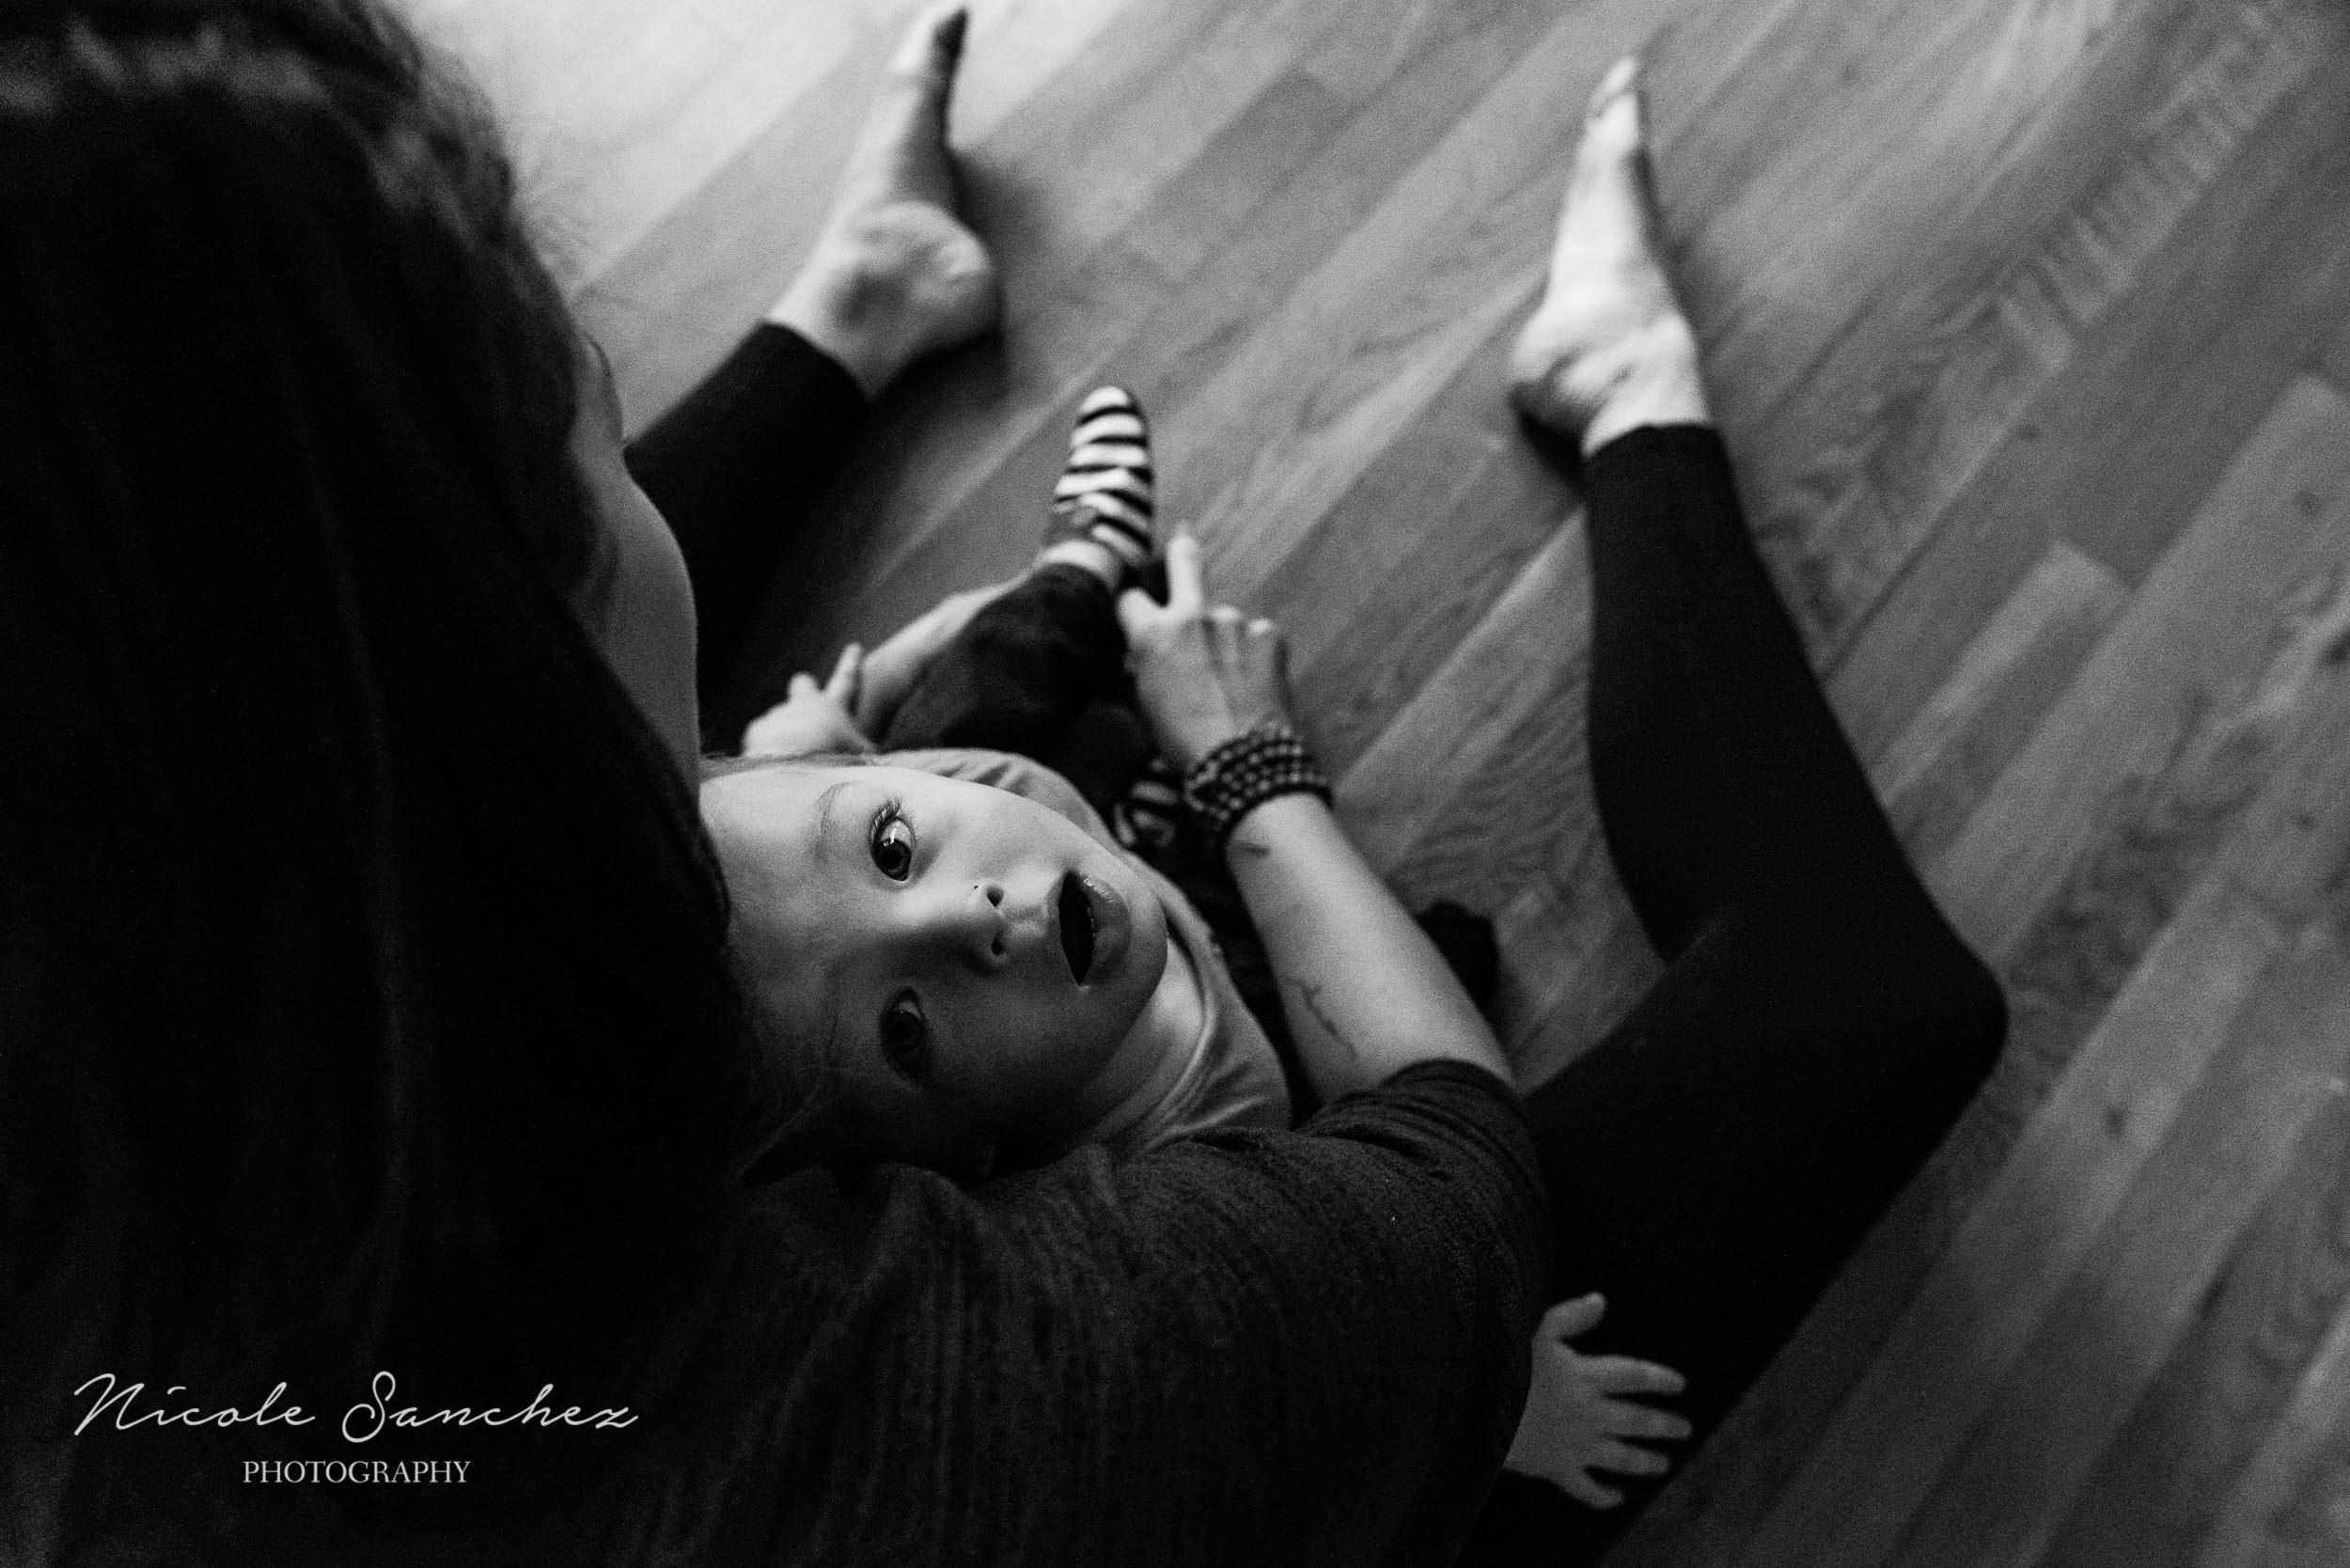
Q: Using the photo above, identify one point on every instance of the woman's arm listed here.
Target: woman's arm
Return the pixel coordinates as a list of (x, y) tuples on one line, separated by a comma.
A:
[(1365, 992)]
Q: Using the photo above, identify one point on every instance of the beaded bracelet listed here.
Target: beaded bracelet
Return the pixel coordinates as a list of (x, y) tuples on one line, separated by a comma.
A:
[(1246, 771)]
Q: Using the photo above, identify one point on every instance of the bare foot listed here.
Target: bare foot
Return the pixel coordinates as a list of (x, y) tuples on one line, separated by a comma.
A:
[(895, 274), (1609, 350)]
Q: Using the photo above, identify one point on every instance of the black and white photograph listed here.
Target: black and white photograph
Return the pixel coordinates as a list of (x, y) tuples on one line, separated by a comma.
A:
[(1178, 783)]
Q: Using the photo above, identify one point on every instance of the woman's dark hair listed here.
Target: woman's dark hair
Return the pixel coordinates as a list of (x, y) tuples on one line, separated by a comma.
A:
[(362, 984)]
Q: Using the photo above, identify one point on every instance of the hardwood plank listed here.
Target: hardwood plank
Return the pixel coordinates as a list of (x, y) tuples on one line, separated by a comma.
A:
[(1955, 784), (2275, 522), (1084, 164), (2090, 951), (1324, 361), (1950, 97), (670, 304), (2000, 738), (939, 519), (2294, 760), (1210, 199), (1580, 980), (1974, 1316), (2102, 1343), (2116, 452), (1974, 349), (1413, 556), (1371, 335), (2165, 746), (1574, 962), (2277, 727), (613, 115), (2293, 1508), (2158, 1489), (1367, 337), (1470, 709), (1471, 859), (1935, 775), (1502, 828)]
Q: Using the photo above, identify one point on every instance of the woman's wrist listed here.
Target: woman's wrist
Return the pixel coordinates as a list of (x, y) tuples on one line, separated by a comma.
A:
[(1233, 779), (1261, 829)]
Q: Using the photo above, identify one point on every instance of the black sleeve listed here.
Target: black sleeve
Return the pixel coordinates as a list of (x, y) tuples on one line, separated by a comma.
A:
[(1250, 1347)]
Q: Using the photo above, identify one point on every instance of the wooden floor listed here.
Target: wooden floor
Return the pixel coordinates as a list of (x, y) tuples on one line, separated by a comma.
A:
[(2029, 323)]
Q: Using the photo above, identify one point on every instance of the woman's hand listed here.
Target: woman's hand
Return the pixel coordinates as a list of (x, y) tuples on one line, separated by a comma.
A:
[(1578, 1412), (1205, 673), (813, 720)]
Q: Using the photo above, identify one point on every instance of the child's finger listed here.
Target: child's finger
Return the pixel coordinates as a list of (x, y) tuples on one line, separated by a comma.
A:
[(1184, 590), (802, 688), (1136, 610), (1622, 1374), (1626, 1460), (1625, 1419), (1575, 1315), (848, 676), (1590, 1493)]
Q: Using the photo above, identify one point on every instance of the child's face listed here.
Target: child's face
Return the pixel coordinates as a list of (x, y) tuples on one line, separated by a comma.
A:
[(967, 957)]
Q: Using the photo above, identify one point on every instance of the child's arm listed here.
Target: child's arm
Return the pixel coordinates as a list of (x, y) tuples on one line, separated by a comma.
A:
[(1365, 992), (1579, 1417), (813, 720), (865, 689)]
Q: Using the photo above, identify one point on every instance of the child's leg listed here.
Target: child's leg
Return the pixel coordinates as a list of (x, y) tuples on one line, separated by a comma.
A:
[(1042, 671), (737, 466), (1712, 1161), (1026, 675)]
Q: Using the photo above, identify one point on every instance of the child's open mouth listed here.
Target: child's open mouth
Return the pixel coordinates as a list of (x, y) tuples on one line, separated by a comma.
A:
[(1076, 926)]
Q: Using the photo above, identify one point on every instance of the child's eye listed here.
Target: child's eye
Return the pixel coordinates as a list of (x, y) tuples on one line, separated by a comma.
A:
[(905, 1035), (893, 845)]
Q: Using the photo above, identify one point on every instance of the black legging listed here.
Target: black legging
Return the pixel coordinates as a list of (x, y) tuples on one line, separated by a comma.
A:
[(737, 468), (1818, 1026)]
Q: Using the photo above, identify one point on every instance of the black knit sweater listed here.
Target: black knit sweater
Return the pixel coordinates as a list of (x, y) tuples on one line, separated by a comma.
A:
[(1256, 1347)]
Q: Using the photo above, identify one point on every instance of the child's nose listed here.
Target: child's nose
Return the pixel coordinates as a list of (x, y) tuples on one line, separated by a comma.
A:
[(974, 925)]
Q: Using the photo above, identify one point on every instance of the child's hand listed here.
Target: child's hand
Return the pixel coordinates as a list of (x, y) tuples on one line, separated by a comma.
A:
[(1577, 1417), (813, 720), (1205, 673)]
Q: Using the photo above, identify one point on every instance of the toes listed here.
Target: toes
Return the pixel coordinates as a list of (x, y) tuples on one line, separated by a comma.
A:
[(1621, 80), (933, 47), (1614, 128)]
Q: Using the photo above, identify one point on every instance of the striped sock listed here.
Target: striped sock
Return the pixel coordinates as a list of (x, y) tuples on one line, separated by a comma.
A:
[(1106, 495)]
